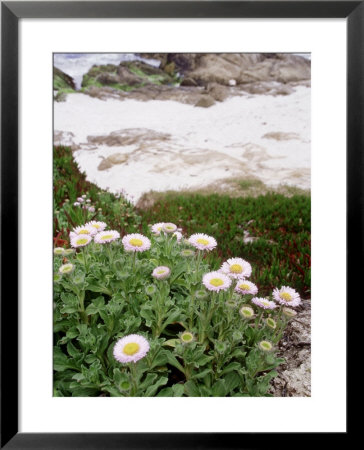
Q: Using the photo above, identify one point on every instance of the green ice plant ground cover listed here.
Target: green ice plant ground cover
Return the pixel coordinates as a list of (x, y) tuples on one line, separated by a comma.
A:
[(123, 329), (279, 228)]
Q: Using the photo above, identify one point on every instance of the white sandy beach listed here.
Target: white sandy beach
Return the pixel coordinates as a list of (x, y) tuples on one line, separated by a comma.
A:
[(162, 145)]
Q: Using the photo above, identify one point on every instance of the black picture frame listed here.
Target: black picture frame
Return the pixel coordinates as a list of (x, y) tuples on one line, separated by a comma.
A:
[(11, 13)]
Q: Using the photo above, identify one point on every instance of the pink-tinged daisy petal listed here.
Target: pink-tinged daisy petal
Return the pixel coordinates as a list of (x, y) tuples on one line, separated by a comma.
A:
[(130, 348), (84, 229), (237, 268), (245, 287), (99, 226), (202, 241), (264, 303), (161, 272), (286, 296), (169, 227), (216, 281), (106, 236), (135, 243), (157, 228), (80, 240)]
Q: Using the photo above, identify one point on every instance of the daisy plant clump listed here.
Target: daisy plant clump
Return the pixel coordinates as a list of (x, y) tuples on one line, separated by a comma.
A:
[(146, 315)]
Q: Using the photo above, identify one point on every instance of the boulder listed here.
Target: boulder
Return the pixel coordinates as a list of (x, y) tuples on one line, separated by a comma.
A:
[(188, 82), (112, 160), (126, 77), (205, 101), (218, 92)]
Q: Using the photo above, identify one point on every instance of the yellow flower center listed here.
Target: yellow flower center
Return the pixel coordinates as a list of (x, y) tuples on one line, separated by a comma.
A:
[(82, 241), (216, 282), (202, 241), (244, 287), (136, 242), (131, 348), (107, 236), (286, 296), (96, 226), (83, 232), (247, 312), (160, 272), (236, 268)]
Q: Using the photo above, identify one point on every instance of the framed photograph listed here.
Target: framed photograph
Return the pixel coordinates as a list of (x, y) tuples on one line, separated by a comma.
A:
[(124, 322)]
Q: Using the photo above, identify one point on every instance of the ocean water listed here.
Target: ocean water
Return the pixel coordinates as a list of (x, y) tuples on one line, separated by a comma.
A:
[(77, 64)]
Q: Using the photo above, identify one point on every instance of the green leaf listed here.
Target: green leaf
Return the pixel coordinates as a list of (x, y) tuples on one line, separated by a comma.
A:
[(202, 360), (150, 392), (201, 374), (72, 351), (219, 389), (178, 390), (172, 360), (171, 342), (191, 389), (173, 316), (160, 359), (232, 381), (61, 362), (166, 392)]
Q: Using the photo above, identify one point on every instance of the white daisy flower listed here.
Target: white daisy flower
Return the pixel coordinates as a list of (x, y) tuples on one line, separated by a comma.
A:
[(246, 287), (264, 303), (286, 296), (237, 268), (161, 272), (106, 236), (80, 240), (216, 281), (157, 228), (84, 229), (136, 243), (169, 227), (99, 226), (131, 348), (202, 241)]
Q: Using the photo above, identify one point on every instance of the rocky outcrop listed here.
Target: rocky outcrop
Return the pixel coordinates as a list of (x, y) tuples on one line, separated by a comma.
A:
[(185, 77), (62, 81), (243, 68)]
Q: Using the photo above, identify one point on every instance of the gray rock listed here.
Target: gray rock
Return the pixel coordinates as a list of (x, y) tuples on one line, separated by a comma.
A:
[(205, 101)]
